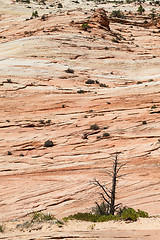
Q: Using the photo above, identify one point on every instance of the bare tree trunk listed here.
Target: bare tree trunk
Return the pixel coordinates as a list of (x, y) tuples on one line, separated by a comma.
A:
[(114, 181), (108, 195)]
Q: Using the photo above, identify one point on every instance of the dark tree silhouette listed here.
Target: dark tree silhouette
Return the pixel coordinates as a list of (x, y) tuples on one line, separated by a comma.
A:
[(109, 195)]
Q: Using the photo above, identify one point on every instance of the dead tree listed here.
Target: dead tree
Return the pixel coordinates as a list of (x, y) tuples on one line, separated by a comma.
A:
[(109, 195)]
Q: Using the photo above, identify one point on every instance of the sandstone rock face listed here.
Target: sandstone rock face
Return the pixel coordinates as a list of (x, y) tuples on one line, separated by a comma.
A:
[(40, 101), (100, 17), (158, 24)]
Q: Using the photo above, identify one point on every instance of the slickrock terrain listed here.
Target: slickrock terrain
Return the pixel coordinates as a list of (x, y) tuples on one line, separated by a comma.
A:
[(60, 73), (145, 229)]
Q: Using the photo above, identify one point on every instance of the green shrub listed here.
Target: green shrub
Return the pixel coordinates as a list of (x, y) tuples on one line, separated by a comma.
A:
[(34, 14), (90, 81), (1, 229), (103, 85), (129, 214), (117, 14), (124, 214), (85, 26), (48, 143), (153, 106), (94, 127), (69, 70), (9, 80), (84, 217), (105, 135), (105, 218), (92, 217), (9, 153), (80, 91), (140, 10), (142, 214)]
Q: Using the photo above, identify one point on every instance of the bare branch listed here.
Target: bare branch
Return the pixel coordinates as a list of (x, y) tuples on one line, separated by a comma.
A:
[(109, 173), (107, 188), (115, 155), (105, 199), (122, 165), (99, 208), (117, 205), (122, 175), (97, 183)]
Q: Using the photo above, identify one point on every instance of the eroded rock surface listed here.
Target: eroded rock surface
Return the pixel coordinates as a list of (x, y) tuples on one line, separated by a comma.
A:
[(40, 101), (100, 17)]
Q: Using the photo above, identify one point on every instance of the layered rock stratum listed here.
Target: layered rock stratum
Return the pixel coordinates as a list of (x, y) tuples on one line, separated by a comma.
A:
[(56, 80)]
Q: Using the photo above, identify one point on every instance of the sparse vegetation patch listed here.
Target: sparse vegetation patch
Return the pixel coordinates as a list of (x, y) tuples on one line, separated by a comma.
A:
[(126, 214), (41, 217)]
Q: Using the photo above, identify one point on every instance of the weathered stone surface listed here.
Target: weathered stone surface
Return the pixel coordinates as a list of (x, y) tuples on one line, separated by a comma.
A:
[(100, 17), (34, 55)]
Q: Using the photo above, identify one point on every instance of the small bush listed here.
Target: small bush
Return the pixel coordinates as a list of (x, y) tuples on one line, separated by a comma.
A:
[(105, 135), (103, 85), (85, 26), (154, 106), (94, 127), (80, 91), (48, 121), (129, 214), (140, 10), (1, 229), (69, 70), (34, 14), (48, 143), (42, 121), (117, 14), (142, 214), (9, 153), (139, 82), (41, 217), (89, 81), (9, 80)]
